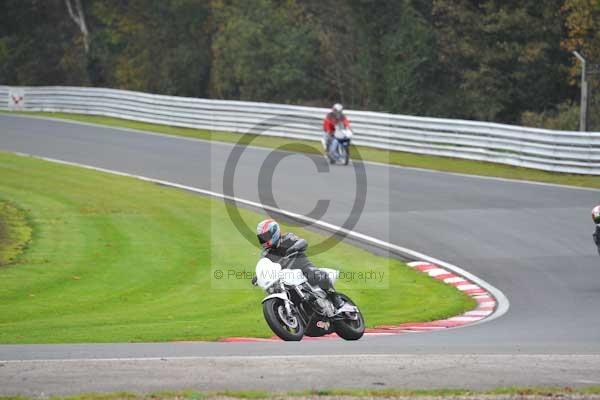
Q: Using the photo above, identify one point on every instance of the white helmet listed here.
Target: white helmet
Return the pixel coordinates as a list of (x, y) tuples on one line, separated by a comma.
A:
[(338, 108), (596, 214)]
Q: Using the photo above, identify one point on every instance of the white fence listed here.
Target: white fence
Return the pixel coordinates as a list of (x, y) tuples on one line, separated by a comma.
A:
[(560, 151)]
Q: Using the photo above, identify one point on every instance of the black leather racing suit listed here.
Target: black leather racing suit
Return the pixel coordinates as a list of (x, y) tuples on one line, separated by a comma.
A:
[(596, 237), (289, 244)]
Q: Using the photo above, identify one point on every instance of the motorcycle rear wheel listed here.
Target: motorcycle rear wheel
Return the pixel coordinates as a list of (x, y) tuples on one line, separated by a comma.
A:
[(286, 330), (349, 329)]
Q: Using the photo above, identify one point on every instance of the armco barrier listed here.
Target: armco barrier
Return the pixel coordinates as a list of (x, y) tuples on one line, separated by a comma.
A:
[(559, 151)]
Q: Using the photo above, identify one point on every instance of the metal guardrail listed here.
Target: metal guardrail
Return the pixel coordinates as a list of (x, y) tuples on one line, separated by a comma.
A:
[(559, 151)]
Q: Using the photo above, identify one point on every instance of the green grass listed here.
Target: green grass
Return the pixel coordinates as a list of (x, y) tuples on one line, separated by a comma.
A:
[(369, 154), (115, 259), (15, 232), (562, 392)]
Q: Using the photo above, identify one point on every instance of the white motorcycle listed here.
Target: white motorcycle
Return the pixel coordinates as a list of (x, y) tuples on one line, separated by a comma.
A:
[(343, 135), (294, 308)]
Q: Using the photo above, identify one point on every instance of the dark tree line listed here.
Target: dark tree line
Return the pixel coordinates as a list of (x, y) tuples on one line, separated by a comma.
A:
[(496, 60)]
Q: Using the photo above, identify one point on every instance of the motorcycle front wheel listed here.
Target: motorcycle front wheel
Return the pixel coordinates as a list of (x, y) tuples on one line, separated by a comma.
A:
[(350, 329), (288, 328)]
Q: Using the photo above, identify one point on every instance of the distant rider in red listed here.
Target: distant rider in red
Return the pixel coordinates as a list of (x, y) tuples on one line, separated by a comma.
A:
[(334, 117)]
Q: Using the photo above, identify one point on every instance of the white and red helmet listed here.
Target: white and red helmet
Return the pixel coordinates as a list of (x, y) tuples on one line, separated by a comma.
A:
[(268, 233), (596, 214)]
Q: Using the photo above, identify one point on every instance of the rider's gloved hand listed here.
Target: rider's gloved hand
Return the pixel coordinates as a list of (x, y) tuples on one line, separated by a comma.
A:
[(254, 280)]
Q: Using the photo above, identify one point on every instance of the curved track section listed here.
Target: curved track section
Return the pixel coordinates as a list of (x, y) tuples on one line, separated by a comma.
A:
[(531, 241)]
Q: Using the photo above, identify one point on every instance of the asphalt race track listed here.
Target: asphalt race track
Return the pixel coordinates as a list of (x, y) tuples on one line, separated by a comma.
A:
[(531, 241)]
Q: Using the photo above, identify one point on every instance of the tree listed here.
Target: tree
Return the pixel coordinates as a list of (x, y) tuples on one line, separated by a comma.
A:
[(582, 22), (158, 46), (479, 59), (263, 50), (345, 71), (77, 15), (503, 56), (37, 45), (408, 56)]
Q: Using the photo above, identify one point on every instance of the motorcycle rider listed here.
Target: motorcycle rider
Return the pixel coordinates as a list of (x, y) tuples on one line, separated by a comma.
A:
[(276, 246), (334, 117), (596, 218)]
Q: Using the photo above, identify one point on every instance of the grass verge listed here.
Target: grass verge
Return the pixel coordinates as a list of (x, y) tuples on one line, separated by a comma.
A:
[(15, 232), (115, 259), (531, 393), (368, 154)]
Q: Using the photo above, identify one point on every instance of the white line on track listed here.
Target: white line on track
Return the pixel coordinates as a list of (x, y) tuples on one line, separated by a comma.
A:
[(191, 358), (502, 302)]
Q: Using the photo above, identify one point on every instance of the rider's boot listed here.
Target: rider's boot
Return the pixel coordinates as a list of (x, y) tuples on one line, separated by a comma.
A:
[(335, 299), (331, 156), (327, 148)]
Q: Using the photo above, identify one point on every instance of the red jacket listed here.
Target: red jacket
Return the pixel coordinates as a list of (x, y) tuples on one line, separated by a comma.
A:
[(331, 121)]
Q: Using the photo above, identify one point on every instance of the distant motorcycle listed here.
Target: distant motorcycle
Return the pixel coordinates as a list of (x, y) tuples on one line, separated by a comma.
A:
[(343, 135), (293, 308)]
